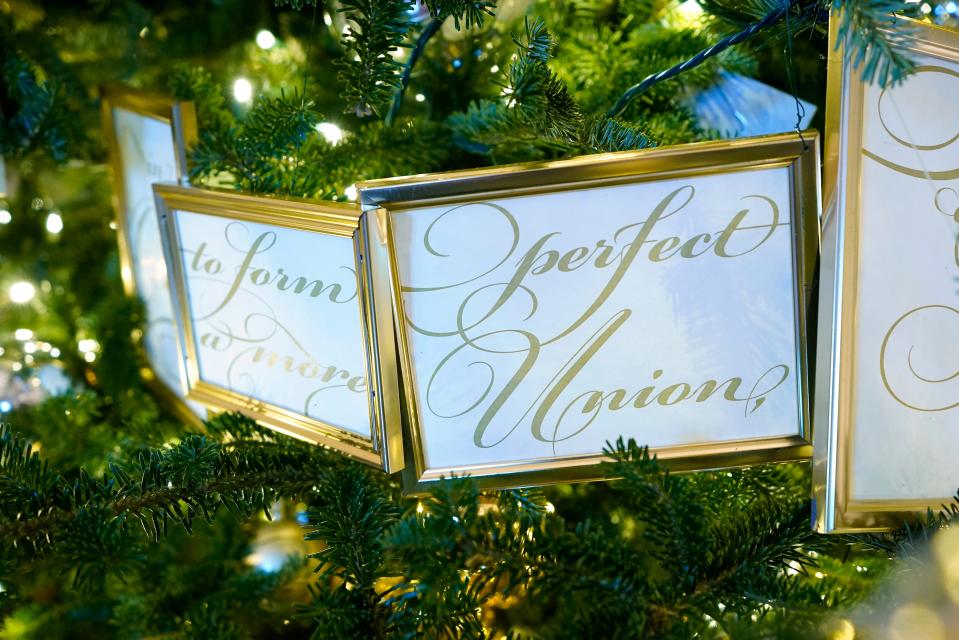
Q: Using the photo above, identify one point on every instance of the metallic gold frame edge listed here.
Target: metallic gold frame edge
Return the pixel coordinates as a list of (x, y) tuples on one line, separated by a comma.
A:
[(833, 511), (182, 119), (327, 218), (800, 153)]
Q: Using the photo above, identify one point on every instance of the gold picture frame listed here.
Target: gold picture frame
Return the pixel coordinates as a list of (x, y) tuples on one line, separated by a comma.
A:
[(325, 218), (382, 198), (834, 509), (181, 118)]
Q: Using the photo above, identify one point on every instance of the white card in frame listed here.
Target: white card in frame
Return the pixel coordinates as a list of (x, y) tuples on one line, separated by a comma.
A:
[(147, 136), (887, 395), (543, 310), (269, 297)]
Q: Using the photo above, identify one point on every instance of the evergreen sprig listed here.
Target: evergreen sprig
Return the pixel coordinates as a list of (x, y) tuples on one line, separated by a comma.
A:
[(871, 39), (537, 114), (376, 31), (193, 479), (468, 12), (262, 152), (35, 113)]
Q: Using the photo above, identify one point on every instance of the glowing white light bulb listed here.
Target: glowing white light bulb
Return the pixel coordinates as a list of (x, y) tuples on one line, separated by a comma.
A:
[(265, 39), (54, 223), (420, 97), (242, 90), (88, 345), (5, 406), (23, 334), (351, 192), (22, 292), (89, 356), (330, 131), (5, 216), (689, 13)]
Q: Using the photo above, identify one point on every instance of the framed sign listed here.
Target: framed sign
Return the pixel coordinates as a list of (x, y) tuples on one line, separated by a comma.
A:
[(269, 295), (147, 136), (887, 396), (546, 309)]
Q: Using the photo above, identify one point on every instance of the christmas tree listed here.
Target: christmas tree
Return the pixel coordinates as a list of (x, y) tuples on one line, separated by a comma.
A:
[(118, 520)]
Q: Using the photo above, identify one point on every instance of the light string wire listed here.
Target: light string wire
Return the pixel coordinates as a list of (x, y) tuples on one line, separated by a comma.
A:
[(769, 20), (791, 76), (428, 32), (306, 79)]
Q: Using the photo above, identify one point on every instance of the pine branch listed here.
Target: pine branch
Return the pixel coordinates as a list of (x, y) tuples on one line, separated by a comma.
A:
[(874, 38), (468, 12), (537, 113), (193, 479), (350, 515), (377, 29), (41, 118), (263, 152), (296, 5)]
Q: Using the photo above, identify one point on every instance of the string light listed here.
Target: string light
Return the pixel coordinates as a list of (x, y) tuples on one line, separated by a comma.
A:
[(54, 223), (265, 39), (22, 292), (420, 97), (689, 14), (242, 90), (88, 345), (5, 216), (351, 192), (332, 133), (22, 334), (5, 406)]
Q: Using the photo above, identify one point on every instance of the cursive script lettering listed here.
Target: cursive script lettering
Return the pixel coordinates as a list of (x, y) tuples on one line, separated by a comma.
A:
[(510, 360), (249, 274), (904, 365)]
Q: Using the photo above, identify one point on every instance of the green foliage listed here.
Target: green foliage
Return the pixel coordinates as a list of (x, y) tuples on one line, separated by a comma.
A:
[(863, 27), (468, 12), (275, 148), (295, 4), (350, 516), (192, 479), (377, 29), (41, 118), (537, 114), (261, 153)]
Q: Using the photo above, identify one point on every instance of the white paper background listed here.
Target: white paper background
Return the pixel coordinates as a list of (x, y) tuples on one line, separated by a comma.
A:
[(694, 319), (303, 335), (147, 155), (908, 260)]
